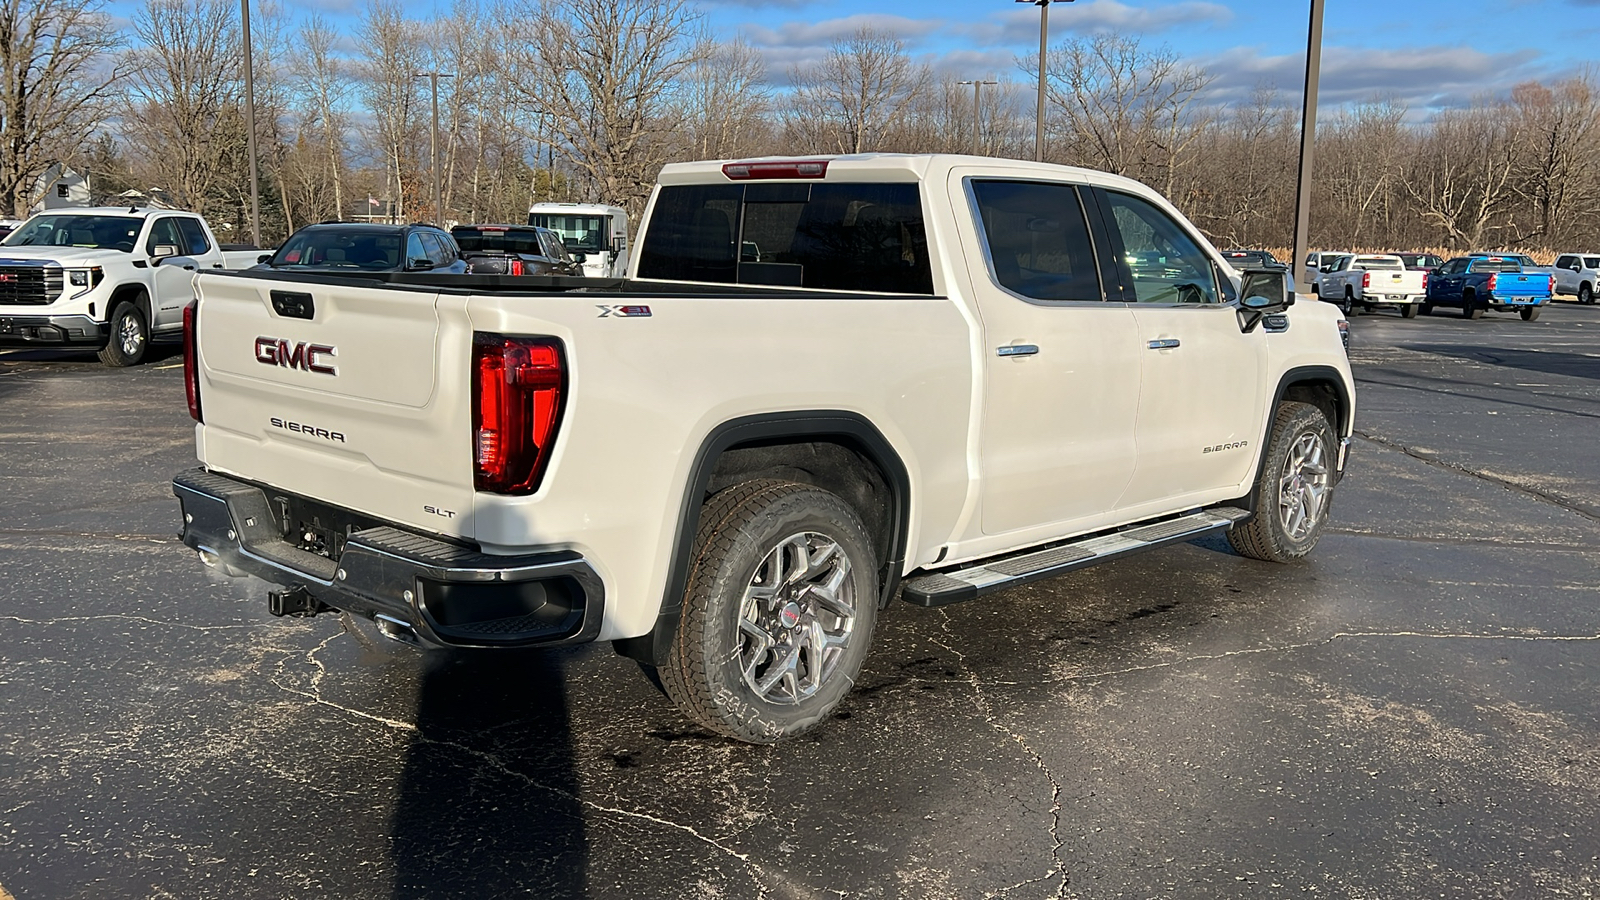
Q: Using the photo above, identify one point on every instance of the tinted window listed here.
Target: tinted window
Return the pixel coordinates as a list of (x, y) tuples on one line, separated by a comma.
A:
[(1566, 262), (339, 248), (1166, 265), (99, 232), (194, 236), (1495, 265), (439, 250), (551, 245), (1037, 239), (415, 252), (1591, 262), (164, 231), (498, 240), (862, 237)]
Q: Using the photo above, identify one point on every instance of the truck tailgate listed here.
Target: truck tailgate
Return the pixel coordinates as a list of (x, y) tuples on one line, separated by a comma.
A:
[(331, 391), (1393, 283), (1521, 285)]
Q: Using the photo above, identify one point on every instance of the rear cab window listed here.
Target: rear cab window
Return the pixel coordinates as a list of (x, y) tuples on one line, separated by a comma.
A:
[(848, 236)]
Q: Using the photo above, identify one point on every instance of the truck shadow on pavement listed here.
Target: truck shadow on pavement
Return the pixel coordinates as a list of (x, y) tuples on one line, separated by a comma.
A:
[(1571, 365), (487, 803)]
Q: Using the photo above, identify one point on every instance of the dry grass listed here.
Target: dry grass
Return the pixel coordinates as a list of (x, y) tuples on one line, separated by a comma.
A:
[(1541, 256)]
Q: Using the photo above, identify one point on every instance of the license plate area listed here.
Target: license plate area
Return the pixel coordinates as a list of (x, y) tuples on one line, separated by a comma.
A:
[(315, 527)]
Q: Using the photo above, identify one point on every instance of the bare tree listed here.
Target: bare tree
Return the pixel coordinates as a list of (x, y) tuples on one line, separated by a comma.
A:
[(1459, 177), (604, 74), (53, 87), (1362, 149), (185, 85), (726, 100), (1557, 160), (1126, 109), (857, 95), (320, 79), (393, 52)]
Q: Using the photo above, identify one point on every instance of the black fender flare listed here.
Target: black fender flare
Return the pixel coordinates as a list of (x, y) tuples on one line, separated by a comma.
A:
[(651, 648), (138, 295)]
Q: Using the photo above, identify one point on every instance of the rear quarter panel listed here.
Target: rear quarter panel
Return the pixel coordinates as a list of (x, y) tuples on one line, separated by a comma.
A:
[(645, 392)]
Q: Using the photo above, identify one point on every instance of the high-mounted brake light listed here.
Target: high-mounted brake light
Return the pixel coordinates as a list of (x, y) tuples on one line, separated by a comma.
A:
[(750, 171), (191, 357), (518, 387)]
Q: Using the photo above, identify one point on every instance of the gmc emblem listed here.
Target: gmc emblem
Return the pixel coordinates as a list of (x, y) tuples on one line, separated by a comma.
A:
[(279, 352)]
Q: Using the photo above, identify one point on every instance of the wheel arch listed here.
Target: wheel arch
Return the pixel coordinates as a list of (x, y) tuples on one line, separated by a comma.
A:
[(1321, 386), (135, 293), (838, 451)]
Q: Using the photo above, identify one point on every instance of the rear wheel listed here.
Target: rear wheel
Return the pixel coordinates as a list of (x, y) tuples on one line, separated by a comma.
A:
[(130, 336), (1409, 311), (1295, 487), (1470, 308), (778, 613), (1529, 313)]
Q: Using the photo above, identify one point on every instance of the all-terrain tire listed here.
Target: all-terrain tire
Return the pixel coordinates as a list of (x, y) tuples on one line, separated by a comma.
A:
[(128, 338), (1295, 488), (778, 613)]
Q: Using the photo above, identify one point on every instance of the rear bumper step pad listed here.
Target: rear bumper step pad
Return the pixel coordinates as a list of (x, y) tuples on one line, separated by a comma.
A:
[(956, 585), (444, 594)]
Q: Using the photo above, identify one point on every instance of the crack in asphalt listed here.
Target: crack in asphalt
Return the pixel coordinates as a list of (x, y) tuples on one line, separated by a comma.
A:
[(1534, 493), (1461, 541), (22, 620), (98, 535), (1287, 648), (1057, 842), (757, 874)]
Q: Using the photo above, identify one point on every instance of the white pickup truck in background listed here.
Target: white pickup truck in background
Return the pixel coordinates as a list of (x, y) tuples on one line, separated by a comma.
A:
[(942, 376), (1359, 283), (1577, 275), (111, 279)]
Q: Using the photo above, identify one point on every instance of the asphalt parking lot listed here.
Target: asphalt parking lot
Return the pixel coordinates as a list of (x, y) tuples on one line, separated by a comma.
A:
[(1415, 711)]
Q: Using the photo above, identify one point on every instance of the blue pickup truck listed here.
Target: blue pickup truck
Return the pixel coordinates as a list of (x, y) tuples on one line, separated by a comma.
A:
[(1477, 283)]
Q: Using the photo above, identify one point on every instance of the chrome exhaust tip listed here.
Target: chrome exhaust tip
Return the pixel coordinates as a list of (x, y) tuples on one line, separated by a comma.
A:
[(396, 630)]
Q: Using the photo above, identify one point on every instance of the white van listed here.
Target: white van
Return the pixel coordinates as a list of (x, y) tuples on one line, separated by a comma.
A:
[(598, 232)]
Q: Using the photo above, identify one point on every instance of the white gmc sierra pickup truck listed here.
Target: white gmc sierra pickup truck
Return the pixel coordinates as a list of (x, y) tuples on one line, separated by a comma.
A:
[(112, 279), (937, 377)]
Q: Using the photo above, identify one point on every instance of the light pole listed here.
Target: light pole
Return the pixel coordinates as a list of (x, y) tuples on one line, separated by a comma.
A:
[(1044, 33), (1308, 130), (976, 118), (433, 144), (250, 126)]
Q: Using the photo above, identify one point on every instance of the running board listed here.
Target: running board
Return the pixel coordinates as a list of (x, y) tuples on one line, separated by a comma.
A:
[(999, 573)]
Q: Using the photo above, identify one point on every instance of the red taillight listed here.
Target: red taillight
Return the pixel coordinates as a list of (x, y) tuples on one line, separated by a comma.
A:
[(1366, 280), (1493, 278), (748, 171), (517, 392), (1424, 281), (516, 267), (191, 357)]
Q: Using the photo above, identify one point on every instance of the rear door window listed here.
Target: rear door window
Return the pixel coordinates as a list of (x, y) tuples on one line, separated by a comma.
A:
[(845, 236), (194, 236), (1037, 240)]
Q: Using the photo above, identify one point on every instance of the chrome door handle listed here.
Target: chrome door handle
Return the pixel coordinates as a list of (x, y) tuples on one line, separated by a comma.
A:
[(1163, 344), (1018, 350)]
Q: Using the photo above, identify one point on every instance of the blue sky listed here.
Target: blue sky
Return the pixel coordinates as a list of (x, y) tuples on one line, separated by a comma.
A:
[(1425, 53)]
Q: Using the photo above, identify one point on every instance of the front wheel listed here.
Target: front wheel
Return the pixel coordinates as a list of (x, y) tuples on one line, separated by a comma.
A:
[(1295, 487), (778, 613), (1347, 307), (1529, 313), (130, 335), (1585, 294), (1409, 311)]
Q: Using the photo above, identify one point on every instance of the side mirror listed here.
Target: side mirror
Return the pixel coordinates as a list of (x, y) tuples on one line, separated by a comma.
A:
[(264, 257), (162, 251), (1577, 267), (619, 244), (420, 263), (1261, 293), (579, 258)]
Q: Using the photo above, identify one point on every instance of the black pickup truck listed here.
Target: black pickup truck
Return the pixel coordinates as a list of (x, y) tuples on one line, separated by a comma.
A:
[(514, 250)]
